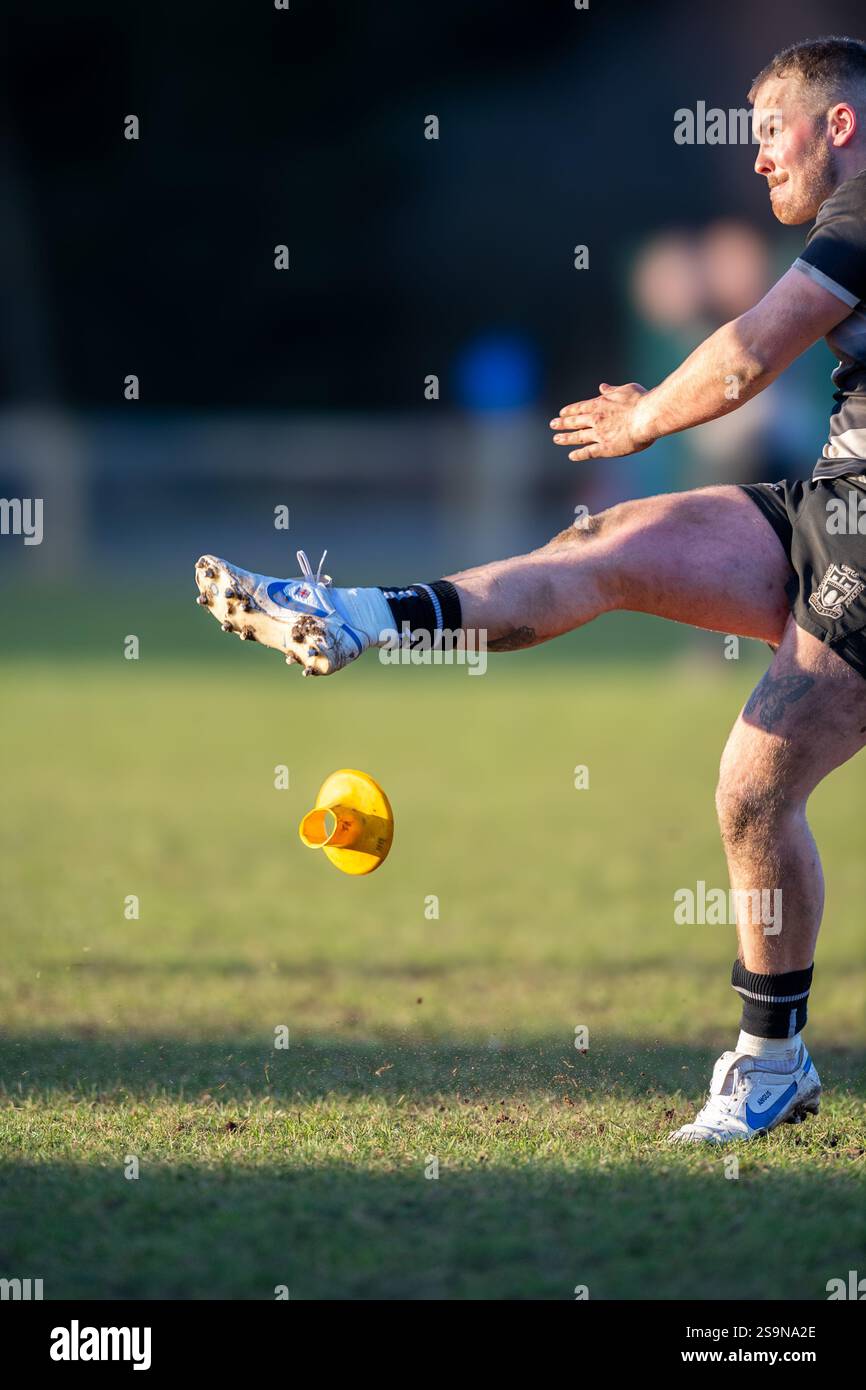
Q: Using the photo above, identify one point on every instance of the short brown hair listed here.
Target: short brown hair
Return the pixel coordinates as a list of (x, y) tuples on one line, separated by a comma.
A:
[(834, 67)]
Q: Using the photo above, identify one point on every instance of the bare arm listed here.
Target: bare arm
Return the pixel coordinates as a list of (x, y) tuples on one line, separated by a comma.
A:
[(730, 367)]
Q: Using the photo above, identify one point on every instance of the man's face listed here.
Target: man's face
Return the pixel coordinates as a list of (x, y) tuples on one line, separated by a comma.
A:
[(795, 155)]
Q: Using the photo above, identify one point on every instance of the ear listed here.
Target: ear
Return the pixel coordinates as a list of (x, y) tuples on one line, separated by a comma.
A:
[(842, 124)]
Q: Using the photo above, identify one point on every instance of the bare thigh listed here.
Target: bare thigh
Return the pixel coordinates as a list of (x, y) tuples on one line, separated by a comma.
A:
[(708, 558)]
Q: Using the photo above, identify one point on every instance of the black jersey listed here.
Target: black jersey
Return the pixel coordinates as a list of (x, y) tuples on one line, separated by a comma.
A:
[(835, 257)]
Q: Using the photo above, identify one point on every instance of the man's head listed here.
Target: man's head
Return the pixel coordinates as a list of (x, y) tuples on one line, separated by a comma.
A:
[(810, 117)]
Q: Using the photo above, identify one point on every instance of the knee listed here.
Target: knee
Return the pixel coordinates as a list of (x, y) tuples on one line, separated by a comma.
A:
[(581, 530), (586, 527), (748, 805)]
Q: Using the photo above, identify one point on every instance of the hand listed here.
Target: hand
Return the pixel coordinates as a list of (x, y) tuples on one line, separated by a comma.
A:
[(606, 427)]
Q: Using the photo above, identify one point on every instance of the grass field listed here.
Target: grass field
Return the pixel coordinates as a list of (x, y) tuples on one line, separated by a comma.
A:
[(413, 1038)]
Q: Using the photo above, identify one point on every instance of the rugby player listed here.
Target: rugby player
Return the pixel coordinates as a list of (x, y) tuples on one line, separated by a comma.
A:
[(782, 562)]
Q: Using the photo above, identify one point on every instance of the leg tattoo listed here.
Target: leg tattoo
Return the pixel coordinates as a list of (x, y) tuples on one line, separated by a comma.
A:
[(772, 695), (514, 640)]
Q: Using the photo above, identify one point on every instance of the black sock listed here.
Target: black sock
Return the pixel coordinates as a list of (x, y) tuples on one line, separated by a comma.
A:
[(774, 1006), (425, 607)]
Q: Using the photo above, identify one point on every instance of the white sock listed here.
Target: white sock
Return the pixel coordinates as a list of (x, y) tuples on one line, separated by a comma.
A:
[(780, 1049), (365, 609)]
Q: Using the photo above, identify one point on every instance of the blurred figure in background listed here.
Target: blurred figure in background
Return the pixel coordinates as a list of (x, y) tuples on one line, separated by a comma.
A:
[(683, 286)]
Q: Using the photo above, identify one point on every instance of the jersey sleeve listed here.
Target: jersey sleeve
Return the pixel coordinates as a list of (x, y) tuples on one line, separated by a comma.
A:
[(835, 252)]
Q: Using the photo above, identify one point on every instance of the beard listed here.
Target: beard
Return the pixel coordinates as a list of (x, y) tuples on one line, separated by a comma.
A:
[(804, 191)]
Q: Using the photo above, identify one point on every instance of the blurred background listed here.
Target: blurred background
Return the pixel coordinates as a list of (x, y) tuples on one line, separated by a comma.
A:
[(166, 389), (409, 259)]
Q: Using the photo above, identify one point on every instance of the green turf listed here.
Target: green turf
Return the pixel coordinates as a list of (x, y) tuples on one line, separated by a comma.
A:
[(412, 1038)]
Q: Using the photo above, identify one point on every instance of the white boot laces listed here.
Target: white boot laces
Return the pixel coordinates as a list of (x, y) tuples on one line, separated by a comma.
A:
[(320, 580), (307, 568)]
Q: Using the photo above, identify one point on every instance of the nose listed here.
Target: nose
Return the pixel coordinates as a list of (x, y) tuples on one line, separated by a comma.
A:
[(763, 163)]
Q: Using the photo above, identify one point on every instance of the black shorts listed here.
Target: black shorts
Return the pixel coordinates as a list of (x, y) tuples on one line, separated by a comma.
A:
[(818, 523)]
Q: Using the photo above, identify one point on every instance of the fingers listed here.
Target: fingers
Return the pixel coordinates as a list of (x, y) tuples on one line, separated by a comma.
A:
[(576, 425), (581, 407), (581, 436), (592, 451), (571, 421)]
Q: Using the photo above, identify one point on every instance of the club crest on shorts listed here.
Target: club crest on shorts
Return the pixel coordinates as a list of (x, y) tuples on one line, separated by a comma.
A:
[(839, 588)]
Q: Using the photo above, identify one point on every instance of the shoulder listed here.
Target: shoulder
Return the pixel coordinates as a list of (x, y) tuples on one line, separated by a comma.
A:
[(846, 201), (835, 251)]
